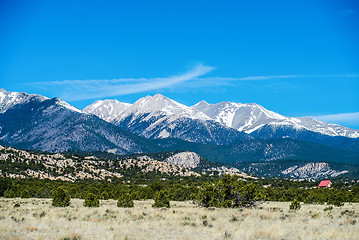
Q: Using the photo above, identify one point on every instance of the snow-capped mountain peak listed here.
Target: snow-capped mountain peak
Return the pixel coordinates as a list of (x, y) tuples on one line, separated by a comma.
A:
[(251, 117), (108, 109), (243, 117), (9, 99), (114, 111), (201, 105), (158, 103), (66, 105)]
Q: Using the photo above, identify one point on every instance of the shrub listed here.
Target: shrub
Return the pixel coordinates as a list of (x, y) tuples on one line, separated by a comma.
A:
[(161, 200), (25, 194), (336, 199), (91, 200), (104, 195), (295, 205), (207, 196), (229, 191), (125, 200), (60, 198), (4, 185), (9, 193), (330, 208), (16, 205)]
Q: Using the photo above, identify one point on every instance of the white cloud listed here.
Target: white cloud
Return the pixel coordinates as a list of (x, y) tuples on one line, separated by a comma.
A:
[(74, 90), (340, 118), (348, 11), (250, 78), (230, 81), (270, 77)]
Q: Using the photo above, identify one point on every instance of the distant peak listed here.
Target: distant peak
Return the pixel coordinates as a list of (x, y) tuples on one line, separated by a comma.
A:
[(66, 105), (160, 96), (203, 102), (111, 101), (157, 97)]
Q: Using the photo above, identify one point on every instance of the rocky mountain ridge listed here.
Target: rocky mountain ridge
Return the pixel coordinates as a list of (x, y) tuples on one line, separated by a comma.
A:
[(53, 125), (160, 117), (248, 118)]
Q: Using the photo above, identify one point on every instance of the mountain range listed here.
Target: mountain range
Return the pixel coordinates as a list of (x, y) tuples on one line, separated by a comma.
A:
[(32, 121), (223, 132), (158, 117)]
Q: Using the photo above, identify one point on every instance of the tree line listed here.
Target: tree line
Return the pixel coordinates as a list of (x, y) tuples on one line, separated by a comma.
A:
[(224, 191)]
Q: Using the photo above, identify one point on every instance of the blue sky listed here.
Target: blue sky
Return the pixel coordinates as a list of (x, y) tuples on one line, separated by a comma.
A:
[(297, 58)]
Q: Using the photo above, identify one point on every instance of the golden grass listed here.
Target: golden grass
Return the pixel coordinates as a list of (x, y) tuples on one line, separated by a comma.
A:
[(37, 219)]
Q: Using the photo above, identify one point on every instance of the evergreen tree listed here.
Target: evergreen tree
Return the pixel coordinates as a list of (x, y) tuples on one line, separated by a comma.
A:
[(91, 200), (125, 200), (9, 193), (161, 200), (336, 199), (60, 198), (295, 205), (25, 194)]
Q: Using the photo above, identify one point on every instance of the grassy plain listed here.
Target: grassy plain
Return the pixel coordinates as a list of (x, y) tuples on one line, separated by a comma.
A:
[(37, 219)]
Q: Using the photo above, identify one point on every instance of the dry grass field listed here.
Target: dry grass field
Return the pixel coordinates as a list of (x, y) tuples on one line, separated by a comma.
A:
[(37, 219)]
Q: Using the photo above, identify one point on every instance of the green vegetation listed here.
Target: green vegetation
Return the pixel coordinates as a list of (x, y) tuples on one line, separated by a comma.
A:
[(60, 198), (161, 200), (229, 191), (91, 200), (125, 200), (225, 191), (294, 205)]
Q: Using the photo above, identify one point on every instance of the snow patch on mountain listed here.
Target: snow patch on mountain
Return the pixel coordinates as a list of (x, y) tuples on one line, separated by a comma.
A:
[(158, 117), (10, 99), (107, 109), (68, 106), (114, 111), (160, 104), (161, 117), (252, 117)]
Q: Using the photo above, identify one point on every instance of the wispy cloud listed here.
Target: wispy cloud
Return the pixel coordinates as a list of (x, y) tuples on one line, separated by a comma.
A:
[(74, 90), (251, 78), (340, 118), (270, 77), (228, 81), (348, 12)]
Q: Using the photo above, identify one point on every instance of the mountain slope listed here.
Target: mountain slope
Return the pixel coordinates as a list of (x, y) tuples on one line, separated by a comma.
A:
[(252, 117), (262, 150), (107, 110), (55, 126), (160, 117), (10, 99), (301, 169)]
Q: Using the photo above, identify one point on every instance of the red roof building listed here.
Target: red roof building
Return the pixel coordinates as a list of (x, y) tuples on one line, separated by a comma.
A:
[(325, 184)]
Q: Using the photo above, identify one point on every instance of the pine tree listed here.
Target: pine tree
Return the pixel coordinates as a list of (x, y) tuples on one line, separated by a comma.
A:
[(60, 198), (161, 200), (91, 200), (125, 200)]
